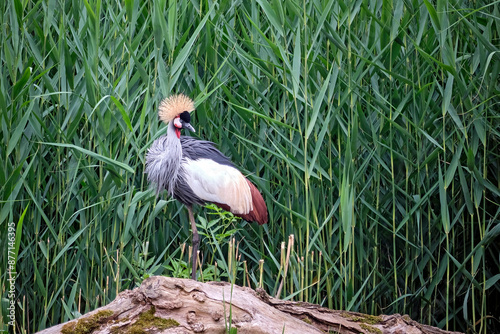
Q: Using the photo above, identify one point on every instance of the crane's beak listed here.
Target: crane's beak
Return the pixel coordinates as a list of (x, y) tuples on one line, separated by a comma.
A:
[(188, 127)]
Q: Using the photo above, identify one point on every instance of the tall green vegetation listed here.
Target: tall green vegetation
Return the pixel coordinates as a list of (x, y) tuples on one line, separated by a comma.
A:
[(371, 128)]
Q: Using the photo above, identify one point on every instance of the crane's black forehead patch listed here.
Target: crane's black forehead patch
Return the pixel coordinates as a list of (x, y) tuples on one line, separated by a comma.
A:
[(185, 117)]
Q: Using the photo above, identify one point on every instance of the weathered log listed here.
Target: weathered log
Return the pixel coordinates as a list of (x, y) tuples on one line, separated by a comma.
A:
[(173, 305)]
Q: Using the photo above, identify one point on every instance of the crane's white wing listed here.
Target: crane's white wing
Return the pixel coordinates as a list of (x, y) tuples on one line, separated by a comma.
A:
[(214, 182)]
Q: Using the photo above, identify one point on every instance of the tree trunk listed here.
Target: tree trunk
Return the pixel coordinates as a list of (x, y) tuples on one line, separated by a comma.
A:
[(173, 305)]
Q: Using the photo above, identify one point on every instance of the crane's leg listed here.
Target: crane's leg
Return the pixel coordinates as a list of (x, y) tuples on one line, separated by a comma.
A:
[(196, 242)]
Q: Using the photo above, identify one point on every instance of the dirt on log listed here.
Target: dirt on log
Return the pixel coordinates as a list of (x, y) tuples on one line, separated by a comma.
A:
[(174, 305)]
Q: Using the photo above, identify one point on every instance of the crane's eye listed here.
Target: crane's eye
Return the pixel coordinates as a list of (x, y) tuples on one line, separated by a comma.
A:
[(185, 116)]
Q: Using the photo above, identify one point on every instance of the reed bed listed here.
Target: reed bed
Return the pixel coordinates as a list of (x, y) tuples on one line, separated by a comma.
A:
[(371, 128)]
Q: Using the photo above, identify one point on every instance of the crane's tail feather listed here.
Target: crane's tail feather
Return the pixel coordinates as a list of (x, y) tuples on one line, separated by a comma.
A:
[(259, 209)]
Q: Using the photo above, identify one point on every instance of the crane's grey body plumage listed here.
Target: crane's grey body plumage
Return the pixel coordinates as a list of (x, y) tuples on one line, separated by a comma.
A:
[(164, 164), (195, 149), (163, 161)]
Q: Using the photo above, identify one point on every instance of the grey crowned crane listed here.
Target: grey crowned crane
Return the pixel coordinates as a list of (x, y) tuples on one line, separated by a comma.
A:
[(195, 172)]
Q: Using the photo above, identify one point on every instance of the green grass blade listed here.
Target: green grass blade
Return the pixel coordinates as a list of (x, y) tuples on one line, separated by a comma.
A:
[(95, 155)]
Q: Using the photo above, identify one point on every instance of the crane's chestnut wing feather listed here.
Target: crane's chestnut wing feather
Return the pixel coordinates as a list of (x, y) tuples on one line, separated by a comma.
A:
[(259, 212)]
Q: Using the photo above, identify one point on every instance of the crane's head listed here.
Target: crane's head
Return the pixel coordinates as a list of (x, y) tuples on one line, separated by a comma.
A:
[(176, 108)]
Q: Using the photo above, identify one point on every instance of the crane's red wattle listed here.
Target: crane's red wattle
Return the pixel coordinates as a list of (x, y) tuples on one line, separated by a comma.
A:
[(178, 133)]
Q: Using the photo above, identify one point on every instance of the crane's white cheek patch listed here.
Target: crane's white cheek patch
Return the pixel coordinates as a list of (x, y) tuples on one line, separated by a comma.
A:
[(177, 122), (218, 183)]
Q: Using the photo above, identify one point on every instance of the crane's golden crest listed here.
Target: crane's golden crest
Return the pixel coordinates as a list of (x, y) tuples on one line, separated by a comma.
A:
[(173, 106)]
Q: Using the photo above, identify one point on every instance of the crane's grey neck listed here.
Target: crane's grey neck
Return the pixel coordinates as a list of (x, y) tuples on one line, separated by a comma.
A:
[(173, 150), (163, 161), (172, 136)]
